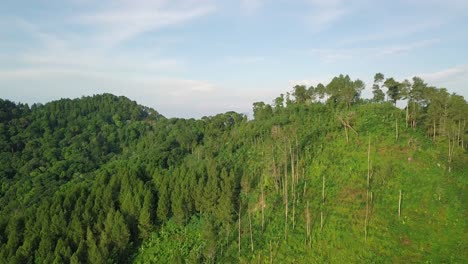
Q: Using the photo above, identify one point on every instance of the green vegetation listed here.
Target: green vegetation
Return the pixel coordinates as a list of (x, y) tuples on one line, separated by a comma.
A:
[(321, 175)]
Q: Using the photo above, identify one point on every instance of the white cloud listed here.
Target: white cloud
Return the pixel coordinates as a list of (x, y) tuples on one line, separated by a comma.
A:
[(454, 79), (334, 55), (396, 49), (392, 32), (127, 21), (446, 75), (310, 82), (323, 14)]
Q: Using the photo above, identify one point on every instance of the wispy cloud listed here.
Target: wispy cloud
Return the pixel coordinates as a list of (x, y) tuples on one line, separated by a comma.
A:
[(333, 55), (323, 14), (396, 49), (129, 20), (453, 78), (392, 32), (446, 75)]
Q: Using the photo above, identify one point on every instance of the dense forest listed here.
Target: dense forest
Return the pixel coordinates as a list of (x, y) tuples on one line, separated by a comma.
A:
[(319, 175)]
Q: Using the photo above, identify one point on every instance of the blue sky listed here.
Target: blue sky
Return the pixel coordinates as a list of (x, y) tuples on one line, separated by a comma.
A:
[(189, 58)]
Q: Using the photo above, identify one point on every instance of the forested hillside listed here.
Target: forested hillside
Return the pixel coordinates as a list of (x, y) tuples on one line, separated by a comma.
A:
[(319, 175)]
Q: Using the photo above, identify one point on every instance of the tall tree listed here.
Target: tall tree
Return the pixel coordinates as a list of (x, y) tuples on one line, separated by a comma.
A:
[(300, 93), (393, 90), (379, 95), (343, 91)]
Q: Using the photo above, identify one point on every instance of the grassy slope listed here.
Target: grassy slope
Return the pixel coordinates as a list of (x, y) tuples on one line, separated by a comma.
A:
[(432, 226)]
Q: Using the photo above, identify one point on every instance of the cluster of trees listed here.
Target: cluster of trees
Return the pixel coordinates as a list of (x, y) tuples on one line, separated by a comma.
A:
[(88, 180)]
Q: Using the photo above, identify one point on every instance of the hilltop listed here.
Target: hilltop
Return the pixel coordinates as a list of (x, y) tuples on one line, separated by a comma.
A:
[(319, 175)]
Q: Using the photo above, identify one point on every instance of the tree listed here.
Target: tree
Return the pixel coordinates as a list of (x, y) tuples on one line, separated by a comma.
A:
[(279, 102), (379, 95), (261, 110), (343, 91), (300, 94), (417, 99), (393, 90), (145, 218)]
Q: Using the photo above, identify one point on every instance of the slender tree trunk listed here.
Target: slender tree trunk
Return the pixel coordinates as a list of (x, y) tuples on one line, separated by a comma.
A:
[(450, 154), (445, 119), (263, 210), (292, 167), (275, 174), (286, 195), (307, 222), (251, 237), (434, 133), (304, 192), (294, 211), (323, 202), (463, 136), (458, 134), (368, 165), (367, 191), (399, 206), (323, 189), (239, 236), (346, 132), (367, 215), (407, 114), (297, 162), (396, 129)]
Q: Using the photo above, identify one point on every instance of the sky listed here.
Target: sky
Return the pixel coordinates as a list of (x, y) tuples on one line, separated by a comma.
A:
[(193, 58)]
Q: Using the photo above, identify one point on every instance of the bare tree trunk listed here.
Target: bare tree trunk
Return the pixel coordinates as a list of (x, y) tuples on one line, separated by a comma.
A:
[(263, 209), (307, 215), (407, 114), (458, 134), (463, 136), (368, 165), (292, 167), (251, 237), (445, 119), (297, 161), (275, 174), (304, 192), (367, 215), (450, 154), (294, 211), (347, 137), (323, 189), (396, 129), (323, 202), (434, 134), (239, 245), (399, 206), (286, 195), (368, 187)]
